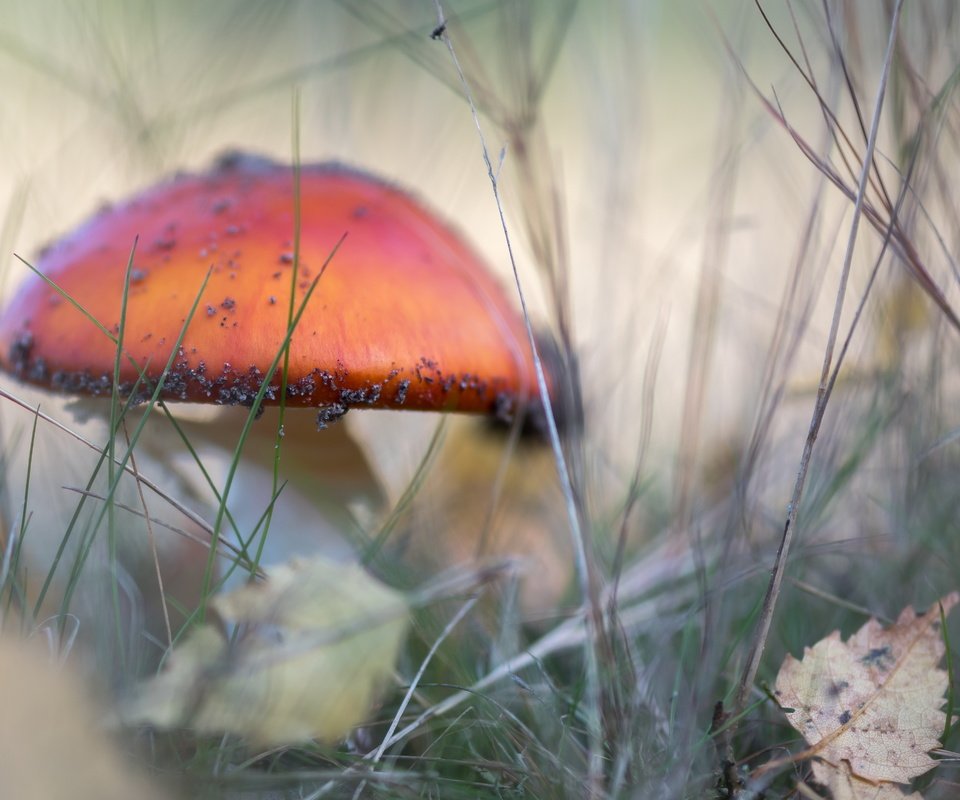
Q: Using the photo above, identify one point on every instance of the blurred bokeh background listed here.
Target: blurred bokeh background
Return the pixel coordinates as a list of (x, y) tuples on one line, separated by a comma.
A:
[(665, 222)]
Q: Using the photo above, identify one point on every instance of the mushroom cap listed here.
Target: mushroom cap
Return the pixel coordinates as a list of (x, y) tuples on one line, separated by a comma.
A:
[(405, 315)]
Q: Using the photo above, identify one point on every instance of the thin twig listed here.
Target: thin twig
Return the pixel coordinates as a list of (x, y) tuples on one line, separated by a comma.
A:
[(395, 723), (571, 633), (225, 548), (823, 393), (151, 538), (154, 487), (583, 562)]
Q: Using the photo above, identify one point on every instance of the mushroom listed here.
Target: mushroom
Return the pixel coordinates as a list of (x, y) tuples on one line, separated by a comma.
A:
[(405, 315), (398, 311)]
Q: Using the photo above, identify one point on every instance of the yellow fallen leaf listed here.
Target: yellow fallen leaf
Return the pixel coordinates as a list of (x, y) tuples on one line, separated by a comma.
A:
[(874, 701), (312, 645)]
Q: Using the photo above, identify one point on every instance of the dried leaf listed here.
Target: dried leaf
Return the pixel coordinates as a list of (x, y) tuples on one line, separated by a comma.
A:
[(845, 786), (874, 701), (312, 645)]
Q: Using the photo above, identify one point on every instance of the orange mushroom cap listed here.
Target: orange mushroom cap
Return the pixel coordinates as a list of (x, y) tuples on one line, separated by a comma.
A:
[(406, 314)]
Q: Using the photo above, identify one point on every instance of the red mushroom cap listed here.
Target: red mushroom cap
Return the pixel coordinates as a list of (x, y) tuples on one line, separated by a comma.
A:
[(405, 316)]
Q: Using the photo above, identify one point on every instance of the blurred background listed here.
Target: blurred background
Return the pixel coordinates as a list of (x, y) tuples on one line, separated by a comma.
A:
[(668, 228), (644, 141)]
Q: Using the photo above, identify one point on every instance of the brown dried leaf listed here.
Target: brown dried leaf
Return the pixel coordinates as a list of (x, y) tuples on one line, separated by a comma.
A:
[(845, 786), (314, 642), (873, 701)]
